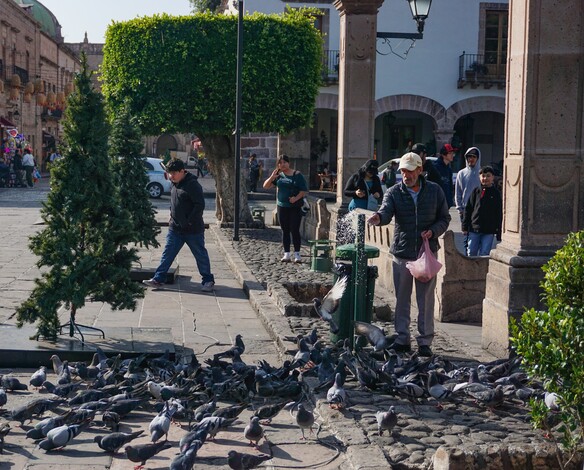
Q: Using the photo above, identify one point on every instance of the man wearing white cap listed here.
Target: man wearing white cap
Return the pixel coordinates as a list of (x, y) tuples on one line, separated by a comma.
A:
[(421, 212)]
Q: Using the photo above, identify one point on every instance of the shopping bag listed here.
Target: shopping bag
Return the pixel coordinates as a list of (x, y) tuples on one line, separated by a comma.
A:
[(426, 266)]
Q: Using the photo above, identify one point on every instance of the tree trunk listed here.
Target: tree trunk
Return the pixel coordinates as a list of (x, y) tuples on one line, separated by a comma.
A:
[(219, 150)]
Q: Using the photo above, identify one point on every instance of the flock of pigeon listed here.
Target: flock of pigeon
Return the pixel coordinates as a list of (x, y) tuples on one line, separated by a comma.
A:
[(105, 392)]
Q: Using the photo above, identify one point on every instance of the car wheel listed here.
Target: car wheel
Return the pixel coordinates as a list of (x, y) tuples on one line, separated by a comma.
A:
[(155, 190)]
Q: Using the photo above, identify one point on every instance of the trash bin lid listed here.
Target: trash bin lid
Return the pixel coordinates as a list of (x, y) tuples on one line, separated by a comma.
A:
[(347, 252)]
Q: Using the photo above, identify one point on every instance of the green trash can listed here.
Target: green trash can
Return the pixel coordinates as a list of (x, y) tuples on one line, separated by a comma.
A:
[(345, 314)]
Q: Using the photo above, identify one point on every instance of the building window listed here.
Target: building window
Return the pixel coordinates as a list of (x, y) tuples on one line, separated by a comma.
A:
[(494, 23)]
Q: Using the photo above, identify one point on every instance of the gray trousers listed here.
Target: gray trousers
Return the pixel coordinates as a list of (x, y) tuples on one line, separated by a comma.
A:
[(403, 281)]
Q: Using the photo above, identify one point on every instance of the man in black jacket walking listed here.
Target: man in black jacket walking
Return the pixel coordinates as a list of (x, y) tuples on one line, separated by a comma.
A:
[(420, 211), (186, 226)]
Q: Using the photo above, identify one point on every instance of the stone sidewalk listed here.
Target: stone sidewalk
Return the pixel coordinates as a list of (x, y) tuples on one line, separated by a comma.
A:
[(246, 272)]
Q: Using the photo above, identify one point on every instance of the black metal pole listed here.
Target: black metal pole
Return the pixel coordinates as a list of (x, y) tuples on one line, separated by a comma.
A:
[(238, 122)]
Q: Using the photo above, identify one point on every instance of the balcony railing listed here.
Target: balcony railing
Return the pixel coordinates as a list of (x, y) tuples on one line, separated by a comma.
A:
[(473, 71), (330, 66)]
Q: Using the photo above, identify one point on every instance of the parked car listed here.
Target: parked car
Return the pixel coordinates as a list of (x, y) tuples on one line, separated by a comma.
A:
[(159, 183)]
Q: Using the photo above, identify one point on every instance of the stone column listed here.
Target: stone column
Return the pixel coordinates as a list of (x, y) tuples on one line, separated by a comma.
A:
[(544, 133), (357, 60)]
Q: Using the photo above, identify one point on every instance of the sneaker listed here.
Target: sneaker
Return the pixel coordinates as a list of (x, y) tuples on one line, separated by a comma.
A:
[(400, 348), (297, 258), (152, 283), (425, 351), (285, 258), (208, 286)]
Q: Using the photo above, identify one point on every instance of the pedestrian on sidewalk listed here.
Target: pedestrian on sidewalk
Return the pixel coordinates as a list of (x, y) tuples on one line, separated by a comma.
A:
[(444, 167), (292, 188), (28, 165), (421, 212), (254, 172), (467, 180), (483, 215), (186, 226)]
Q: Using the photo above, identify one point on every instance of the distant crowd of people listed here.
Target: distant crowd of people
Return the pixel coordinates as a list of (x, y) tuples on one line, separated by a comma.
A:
[(18, 168)]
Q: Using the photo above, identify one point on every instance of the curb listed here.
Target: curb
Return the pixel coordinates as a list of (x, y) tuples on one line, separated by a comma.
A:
[(345, 429)]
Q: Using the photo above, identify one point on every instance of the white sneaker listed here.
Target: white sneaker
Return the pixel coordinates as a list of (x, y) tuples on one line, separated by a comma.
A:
[(286, 258), (208, 286), (297, 258)]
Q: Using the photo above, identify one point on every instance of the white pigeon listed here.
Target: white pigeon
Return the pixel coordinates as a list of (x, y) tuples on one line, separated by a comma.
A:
[(330, 303)]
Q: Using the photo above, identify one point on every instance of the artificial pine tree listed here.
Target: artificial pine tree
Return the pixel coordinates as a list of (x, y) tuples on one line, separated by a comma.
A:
[(126, 148), (87, 230)]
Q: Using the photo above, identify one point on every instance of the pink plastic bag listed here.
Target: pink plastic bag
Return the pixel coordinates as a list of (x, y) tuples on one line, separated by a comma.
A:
[(426, 266)]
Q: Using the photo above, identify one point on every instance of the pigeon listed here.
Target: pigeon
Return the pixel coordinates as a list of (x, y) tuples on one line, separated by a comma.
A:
[(304, 419), (268, 412), (551, 401), (189, 439), (237, 346), (386, 420), (59, 437), (436, 389), (160, 425), (116, 440), (111, 419), (336, 395), (490, 398), (42, 428), (240, 461), (374, 335), (214, 424), (11, 384), (65, 375), (330, 303), (37, 379), (3, 397), (4, 430), (140, 453), (230, 411), (253, 432), (186, 460)]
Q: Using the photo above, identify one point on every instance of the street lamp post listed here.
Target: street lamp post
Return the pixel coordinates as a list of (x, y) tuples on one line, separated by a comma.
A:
[(420, 10), (238, 121)]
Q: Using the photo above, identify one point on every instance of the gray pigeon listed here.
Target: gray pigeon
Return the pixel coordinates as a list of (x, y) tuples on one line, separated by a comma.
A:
[(374, 335), (37, 379), (3, 397), (239, 461), (4, 430), (304, 419), (111, 419), (330, 303), (268, 412), (490, 398), (58, 438), (214, 424), (160, 425), (65, 375), (11, 383), (142, 452), (186, 460), (42, 428), (253, 432), (116, 440), (386, 420), (188, 440), (336, 395)]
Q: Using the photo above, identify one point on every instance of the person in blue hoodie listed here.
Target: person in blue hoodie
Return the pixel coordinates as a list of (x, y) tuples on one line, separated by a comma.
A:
[(443, 166), (467, 180)]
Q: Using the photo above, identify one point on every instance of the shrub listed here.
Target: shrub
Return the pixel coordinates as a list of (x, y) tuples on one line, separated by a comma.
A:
[(551, 342)]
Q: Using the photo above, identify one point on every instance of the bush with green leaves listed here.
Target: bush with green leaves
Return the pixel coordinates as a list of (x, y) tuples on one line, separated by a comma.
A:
[(551, 342)]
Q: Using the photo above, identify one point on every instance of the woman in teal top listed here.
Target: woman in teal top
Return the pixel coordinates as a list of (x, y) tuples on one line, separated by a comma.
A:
[(292, 188)]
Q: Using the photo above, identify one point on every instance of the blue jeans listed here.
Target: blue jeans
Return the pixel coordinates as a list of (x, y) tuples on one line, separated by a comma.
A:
[(479, 244), (174, 243)]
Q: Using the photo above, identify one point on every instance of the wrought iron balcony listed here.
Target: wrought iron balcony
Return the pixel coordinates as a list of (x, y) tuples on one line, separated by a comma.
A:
[(330, 67), (475, 71)]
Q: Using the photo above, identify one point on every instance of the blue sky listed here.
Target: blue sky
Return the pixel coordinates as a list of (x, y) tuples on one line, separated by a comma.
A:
[(78, 16)]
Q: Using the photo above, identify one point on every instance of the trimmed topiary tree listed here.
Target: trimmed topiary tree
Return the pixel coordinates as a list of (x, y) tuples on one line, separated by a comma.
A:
[(179, 74), (83, 246), (551, 342), (131, 178)]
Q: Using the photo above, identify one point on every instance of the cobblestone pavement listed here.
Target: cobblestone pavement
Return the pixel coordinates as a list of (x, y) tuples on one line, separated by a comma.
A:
[(423, 428)]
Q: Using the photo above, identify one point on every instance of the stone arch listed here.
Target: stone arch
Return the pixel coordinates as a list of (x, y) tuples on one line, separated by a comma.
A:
[(327, 101), (165, 142), (477, 104), (418, 103)]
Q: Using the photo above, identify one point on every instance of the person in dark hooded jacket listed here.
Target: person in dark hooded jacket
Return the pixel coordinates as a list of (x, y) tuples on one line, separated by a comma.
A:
[(362, 184)]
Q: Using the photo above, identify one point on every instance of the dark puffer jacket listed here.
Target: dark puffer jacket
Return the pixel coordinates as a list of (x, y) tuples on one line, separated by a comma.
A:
[(187, 205), (431, 213)]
